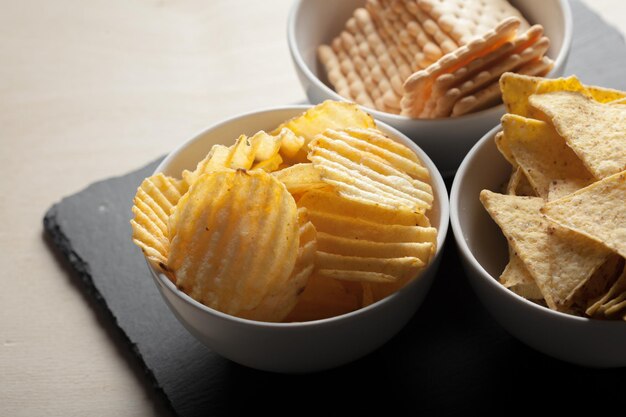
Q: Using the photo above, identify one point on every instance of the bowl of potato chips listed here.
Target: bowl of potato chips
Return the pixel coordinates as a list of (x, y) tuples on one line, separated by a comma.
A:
[(537, 209), (294, 239), (429, 68)]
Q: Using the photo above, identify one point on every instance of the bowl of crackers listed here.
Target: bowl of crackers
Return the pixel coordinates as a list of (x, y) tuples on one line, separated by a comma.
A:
[(429, 68), (294, 239), (537, 210)]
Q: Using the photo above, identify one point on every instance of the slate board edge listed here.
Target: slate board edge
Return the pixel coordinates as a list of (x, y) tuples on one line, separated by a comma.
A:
[(60, 241)]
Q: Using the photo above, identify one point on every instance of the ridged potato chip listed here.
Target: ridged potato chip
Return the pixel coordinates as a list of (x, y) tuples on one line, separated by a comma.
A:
[(154, 201), (367, 243), (276, 305), (224, 218), (299, 178), (361, 165), (328, 115)]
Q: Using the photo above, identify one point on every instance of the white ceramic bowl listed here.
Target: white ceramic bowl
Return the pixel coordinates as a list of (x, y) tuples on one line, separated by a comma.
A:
[(484, 254), (297, 347), (315, 22)]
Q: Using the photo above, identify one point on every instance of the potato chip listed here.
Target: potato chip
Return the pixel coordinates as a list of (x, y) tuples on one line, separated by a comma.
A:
[(269, 165), (323, 298), (300, 178), (328, 115), (276, 305), (153, 203), (223, 217), (596, 211), (290, 143), (353, 166), (541, 153), (517, 278), (558, 261), (596, 132), (329, 202)]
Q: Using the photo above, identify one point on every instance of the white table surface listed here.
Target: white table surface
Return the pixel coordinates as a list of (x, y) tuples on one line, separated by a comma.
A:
[(92, 89)]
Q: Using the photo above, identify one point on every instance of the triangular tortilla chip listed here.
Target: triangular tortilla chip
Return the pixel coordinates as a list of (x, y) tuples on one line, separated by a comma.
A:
[(541, 153), (574, 259), (527, 232), (518, 184), (517, 278), (516, 89), (596, 132), (597, 211), (558, 262)]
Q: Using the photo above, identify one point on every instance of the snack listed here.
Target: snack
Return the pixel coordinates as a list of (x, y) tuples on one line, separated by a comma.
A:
[(563, 211), (432, 59), (320, 217)]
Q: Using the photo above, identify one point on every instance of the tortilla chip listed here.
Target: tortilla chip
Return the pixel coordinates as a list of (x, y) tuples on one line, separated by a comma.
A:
[(517, 278), (516, 89), (542, 154), (502, 144), (518, 184), (596, 132), (605, 95), (527, 232), (561, 188), (597, 211), (607, 284), (574, 259)]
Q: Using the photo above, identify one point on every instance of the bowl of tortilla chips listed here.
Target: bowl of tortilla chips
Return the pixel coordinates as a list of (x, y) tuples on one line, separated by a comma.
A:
[(537, 210)]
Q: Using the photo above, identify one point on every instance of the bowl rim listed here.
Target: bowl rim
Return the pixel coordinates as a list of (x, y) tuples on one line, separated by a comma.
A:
[(296, 56), (466, 252), (437, 182)]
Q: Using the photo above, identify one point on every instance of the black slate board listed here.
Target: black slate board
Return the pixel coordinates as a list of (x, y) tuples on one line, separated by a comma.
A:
[(452, 357)]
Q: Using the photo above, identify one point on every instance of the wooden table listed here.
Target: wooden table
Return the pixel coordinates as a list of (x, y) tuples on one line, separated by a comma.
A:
[(91, 90)]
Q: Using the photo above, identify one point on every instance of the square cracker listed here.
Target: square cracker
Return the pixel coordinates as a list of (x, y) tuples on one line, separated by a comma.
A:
[(418, 87), (465, 20), (595, 131)]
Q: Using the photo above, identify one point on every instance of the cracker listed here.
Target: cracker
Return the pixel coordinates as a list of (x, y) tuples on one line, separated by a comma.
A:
[(443, 42), (465, 20), (541, 153), (491, 94), (418, 86), (601, 145), (596, 211)]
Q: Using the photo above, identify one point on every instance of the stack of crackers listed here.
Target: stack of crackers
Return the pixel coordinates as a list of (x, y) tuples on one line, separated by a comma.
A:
[(432, 58)]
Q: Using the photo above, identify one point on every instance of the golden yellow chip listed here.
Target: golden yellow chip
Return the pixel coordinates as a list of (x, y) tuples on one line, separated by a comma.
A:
[(542, 154), (225, 216), (323, 298), (605, 95), (290, 143), (596, 211), (299, 178), (359, 169), (328, 115), (155, 199), (279, 303), (596, 132), (516, 90)]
